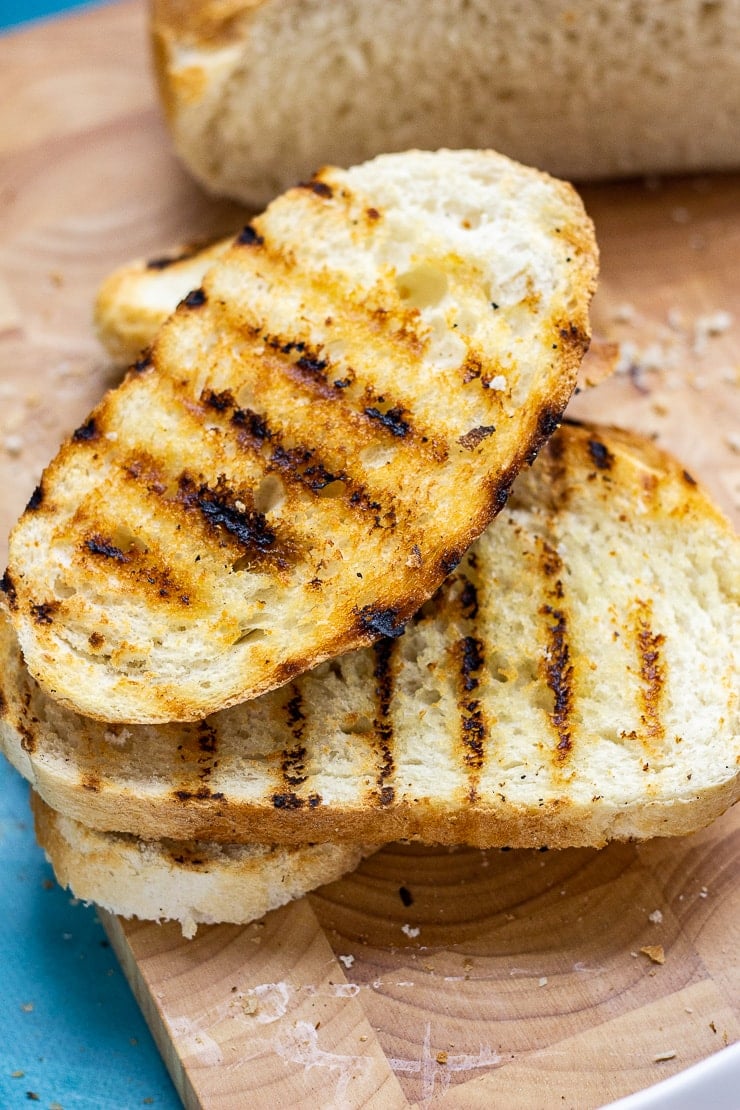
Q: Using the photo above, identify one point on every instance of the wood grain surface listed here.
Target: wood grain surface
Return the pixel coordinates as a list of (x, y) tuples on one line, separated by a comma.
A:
[(427, 977)]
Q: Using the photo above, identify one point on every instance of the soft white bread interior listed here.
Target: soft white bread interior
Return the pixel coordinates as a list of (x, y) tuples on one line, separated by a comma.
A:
[(193, 882), (573, 681), (258, 93), (318, 434)]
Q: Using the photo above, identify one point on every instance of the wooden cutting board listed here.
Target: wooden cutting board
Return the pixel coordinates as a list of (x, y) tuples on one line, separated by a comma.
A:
[(427, 978)]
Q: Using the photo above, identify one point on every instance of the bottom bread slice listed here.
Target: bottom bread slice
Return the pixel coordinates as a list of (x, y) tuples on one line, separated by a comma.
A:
[(194, 882)]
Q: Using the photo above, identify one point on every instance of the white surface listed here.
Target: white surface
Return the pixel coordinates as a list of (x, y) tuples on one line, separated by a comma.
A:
[(714, 1084)]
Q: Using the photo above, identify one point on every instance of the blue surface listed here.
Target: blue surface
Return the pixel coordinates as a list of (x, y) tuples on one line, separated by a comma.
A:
[(12, 14), (71, 1031)]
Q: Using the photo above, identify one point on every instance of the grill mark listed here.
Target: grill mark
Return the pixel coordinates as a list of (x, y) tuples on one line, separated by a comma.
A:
[(559, 675), (320, 188), (299, 464), (229, 517), (652, 676), (308, 370), (249, 237), (600, 454), (470, 666), (35, 500), (142, 365), (222, 508), (97, 545), (207, 758), (194, 299), (43, 612), (392, 420), (202, 794), (156, 579), (293, 759), (86, 432), (383, 673), (381, 622), (470, 655), (7, 586), (556, 662)]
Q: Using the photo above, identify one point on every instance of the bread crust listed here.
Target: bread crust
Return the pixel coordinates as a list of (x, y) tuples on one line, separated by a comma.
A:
[(288, 478), (573, 682), (191, 882)]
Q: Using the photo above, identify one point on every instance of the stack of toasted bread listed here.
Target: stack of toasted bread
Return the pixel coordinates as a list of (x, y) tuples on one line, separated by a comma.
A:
[(298, 587)]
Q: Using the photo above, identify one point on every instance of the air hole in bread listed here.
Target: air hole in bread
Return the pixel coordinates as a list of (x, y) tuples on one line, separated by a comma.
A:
[(249, 635), (358, 725), (245, 397), (376, 456), (332, 489), (422, 287), (126, 540), (62, 589), (270, 494)]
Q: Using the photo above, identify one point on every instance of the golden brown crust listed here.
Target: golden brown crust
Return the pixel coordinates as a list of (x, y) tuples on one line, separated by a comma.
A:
[(201, 23)]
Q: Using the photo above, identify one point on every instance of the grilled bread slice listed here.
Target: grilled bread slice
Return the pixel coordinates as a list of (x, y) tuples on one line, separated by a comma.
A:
[(574, 681), (320, 432), (190, 882)]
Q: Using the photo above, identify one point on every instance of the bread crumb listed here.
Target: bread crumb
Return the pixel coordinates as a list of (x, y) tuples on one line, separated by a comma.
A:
[(711, 324), (654, 952), (410, 930), (441, 1057), (27, 1007), (347, 960), (542, 981), (17, 1074), (624, 313), (13, 446), (661, 1056), (656, 917), (703, 892), (249, 1005)]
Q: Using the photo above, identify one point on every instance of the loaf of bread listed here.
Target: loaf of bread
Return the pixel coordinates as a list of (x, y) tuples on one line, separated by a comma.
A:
[(259, 92), (195, 882), (573, 681), (317, 435)]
